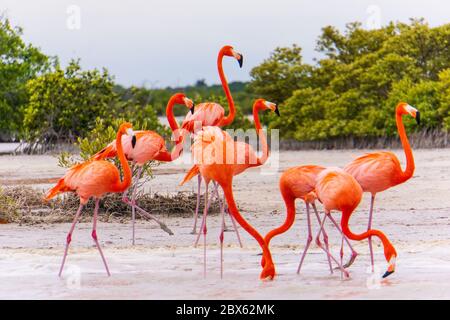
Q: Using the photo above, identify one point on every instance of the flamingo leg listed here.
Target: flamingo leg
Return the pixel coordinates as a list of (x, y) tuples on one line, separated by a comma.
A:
[(221, 236), (369, 226), (308, 241), (133, 202), (325, 237), (222, 202), (194, 229), (354, 253), (327, 251), (204, 230), (205, 213), (144, 213), (94, 236), (69, 238), (341, 253)]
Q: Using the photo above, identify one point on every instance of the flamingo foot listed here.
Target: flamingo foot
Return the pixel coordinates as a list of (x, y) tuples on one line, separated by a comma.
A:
[(351, 260)]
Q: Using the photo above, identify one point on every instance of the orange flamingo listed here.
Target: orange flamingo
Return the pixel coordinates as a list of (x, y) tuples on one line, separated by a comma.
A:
[(147, 146), (211, 147), (213, 114), (299, 183), (379, 171), (94, 179), (338, 190)]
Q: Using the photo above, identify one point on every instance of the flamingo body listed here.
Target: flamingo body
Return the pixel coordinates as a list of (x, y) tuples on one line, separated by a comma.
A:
[(205, 114)]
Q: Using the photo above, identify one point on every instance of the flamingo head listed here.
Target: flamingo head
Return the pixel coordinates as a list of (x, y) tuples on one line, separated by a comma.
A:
[(230, 52), (391, 256), (180, 98), (267, 105), (127, 128), (404, 108)]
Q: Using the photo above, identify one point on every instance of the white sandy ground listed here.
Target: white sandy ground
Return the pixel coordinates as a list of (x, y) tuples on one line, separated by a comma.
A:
[(415, 216)]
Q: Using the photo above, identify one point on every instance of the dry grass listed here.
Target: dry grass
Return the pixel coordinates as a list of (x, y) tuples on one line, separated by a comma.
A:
[(24, 205)]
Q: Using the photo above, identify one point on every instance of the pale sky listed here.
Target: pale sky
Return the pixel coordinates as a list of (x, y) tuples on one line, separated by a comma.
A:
[(175, 42)]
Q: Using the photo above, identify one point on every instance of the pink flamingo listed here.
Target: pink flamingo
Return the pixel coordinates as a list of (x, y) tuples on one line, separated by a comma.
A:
[(338, 190), (299, 183), (147, 146), (94, 179), (378, 171), (213, 114), (210, 154)]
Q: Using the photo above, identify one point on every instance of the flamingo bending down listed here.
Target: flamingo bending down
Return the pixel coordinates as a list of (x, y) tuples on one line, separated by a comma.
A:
[(94, 179), (212, 114), (299, 183), (378, 171), (211, 147), (338, 190), (149, 145)]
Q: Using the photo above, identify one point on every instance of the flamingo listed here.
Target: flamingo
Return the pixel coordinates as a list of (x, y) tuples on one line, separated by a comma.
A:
[(211, 146), (338, 190), (379, 171), (94, 179), (148, 146), (212, 114), (299, 183)]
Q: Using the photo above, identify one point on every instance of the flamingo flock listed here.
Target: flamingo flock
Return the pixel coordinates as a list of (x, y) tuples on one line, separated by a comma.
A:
[(218, 158)]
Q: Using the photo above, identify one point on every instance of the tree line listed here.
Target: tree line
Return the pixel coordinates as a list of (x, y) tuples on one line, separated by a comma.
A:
[(350, 92)]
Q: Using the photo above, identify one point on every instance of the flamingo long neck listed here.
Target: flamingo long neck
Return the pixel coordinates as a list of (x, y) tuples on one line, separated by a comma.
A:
[(228, 190), (126, 181), (290, 216), (262, 137), (230, 117), (170, 116), (409, 171), (372, 232)]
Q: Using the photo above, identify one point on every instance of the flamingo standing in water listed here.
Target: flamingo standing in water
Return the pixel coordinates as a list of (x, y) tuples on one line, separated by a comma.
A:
[(299, 183), (94, 179), (338, 190), (213, 114), (149, 146), (378, 171), (220, 158)]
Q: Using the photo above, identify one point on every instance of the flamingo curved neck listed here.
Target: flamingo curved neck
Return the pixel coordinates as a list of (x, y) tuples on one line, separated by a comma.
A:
[(290, 217), (126, 181), (230, 117), (261, 135), (170, 116), (409, 171), (349, 234)]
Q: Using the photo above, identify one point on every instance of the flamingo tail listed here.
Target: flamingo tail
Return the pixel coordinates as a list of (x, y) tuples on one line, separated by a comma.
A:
[(107, 152), (195, 170), (58, 188)]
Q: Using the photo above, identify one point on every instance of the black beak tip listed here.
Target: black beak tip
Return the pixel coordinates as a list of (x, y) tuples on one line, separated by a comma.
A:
[(133, 141), (241, 61), (418, 117), (192, 109), (387, 274), (277, 111)]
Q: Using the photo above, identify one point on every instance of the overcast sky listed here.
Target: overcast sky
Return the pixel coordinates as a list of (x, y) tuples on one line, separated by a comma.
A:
[(175, 42)]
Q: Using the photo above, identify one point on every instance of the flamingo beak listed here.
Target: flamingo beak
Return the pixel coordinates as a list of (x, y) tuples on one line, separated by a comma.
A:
[(418, 117), (192, 110), (130, 132), (391, 268), (277, 111), (241, 60)]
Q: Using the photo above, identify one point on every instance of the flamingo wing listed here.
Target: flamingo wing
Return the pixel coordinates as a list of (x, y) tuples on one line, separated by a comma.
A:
[(376, 171), (301, 180), (208, 114)]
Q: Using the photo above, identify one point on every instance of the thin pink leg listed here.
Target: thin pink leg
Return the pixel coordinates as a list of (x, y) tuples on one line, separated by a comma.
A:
[(204, 230), (354, 253), (369, 226), (236, 229), (309, 239), (221, 236), (205, 213), (69, 238), (194, 229), (341, 253), (94, 236), (327, 251), (133, 202), (325, 237)]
